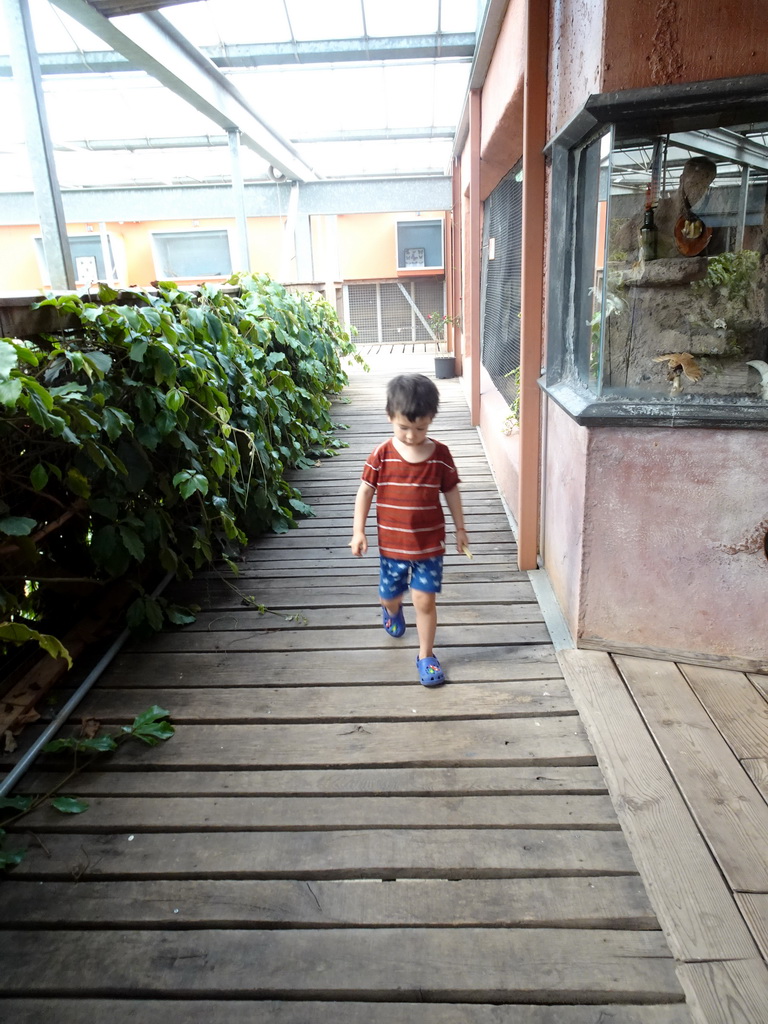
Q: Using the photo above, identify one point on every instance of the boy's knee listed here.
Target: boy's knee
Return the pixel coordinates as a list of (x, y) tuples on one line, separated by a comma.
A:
[(423, 600)]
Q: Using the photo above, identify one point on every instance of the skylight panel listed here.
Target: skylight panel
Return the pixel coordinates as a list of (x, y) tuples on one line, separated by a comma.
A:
[(230, 21), (313, 20), (401, 17)]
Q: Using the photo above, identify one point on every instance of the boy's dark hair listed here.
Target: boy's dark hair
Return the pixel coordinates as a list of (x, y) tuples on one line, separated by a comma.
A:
[(412, 395)]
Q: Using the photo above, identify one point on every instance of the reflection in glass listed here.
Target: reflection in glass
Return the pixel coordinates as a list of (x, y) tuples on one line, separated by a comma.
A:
[(678, 296)]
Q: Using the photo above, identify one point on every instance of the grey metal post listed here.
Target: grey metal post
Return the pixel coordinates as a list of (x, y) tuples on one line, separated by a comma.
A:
[(741, 219), (242, 254), (50, 209)]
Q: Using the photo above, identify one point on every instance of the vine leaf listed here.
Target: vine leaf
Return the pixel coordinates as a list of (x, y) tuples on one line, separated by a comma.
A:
[(150, 727), (18, 633), (17, 526), (69, 804), (88, 744), (16, 803), (9, 858)]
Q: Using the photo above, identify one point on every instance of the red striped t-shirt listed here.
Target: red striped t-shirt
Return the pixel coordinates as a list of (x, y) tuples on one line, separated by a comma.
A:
[(409, 516)]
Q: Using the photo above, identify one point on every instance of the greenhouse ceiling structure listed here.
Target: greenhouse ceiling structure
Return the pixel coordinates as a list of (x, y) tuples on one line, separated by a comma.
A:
[(150, 93)]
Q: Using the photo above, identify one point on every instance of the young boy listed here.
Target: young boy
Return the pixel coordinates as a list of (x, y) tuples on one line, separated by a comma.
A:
[(408, 472)]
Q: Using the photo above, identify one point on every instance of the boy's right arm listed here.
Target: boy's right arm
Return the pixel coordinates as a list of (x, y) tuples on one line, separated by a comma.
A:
[(363, 500)]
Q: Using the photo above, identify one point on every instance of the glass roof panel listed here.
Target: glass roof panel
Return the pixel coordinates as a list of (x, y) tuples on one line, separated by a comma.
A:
[(459, 15), (208, 23), (55, 31), (344, 117), (400, 17), (343, 19)]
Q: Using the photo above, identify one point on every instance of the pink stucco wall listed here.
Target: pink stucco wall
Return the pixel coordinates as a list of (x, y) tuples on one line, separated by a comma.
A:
[(674, 528), (501, 137), (502, 445), (576, 57), (652, 537), (659, 42), (563, 509)]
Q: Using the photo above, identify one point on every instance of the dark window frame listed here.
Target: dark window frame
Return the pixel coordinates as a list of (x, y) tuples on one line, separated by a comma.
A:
[(653, 111)]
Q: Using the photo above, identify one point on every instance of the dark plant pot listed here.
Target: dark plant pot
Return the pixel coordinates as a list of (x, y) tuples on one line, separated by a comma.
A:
[(445, 367)]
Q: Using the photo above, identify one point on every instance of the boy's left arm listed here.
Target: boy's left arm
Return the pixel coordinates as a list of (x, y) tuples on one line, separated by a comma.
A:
[(453, 501)]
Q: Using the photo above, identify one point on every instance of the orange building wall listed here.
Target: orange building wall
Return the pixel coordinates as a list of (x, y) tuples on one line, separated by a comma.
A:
[(20, 271), (368, 243), (365, 243)]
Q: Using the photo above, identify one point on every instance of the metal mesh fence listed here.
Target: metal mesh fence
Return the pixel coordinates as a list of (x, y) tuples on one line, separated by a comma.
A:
[(501, 275), (429, 296), (363, 312), (383, 312), (396, 314)]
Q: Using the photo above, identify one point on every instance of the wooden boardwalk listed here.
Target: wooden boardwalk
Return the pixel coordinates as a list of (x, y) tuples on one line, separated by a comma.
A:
[(324, 839)]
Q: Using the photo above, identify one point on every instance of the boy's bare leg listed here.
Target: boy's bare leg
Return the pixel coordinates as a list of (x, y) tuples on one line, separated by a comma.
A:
[(426, 620), (392, 604)]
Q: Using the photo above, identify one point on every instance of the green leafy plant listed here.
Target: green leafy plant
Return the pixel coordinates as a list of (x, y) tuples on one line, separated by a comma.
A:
[(150, 727), (156, 433), (440, 321), (733, 275), (512, 421)]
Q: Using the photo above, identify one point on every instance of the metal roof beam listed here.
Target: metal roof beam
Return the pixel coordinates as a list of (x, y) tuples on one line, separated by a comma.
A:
[(725, 144), (155, 46), (443, 46), (206, 141)]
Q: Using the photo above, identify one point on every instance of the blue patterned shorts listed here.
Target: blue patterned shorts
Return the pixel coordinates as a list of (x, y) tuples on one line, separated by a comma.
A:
[(425, 575)]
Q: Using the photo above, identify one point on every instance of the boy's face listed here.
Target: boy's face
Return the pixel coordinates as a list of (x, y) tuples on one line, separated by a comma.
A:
[(410, 432)]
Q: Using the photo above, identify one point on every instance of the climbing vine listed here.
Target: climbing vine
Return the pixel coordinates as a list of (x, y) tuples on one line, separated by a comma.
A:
[(156, 433)]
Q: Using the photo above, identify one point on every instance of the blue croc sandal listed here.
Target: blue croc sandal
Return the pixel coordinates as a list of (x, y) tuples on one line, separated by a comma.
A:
[(393, 624), (430, 673)]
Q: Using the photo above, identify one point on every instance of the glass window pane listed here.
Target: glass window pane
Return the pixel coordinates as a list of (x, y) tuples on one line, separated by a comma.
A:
[(683, 301), (184, 254)]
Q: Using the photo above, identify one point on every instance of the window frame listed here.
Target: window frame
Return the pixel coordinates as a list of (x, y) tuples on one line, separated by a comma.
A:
[(574, 186), (158, 258)]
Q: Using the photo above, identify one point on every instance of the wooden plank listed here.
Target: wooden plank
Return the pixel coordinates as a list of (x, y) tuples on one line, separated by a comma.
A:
[(340, 782), (612, 902), (554, 740), (276, 594), (237, 668), (360, 573), (363, 853), (337, 521), (729, 811), (294, 813), (651, 653), (736, 707), (695, 908), (760, 681), (757, 769), (331, 703), (479, 964), (336, 618), (754, 907), (304, 639), (269, 1011), (324, 529), (719, 993)]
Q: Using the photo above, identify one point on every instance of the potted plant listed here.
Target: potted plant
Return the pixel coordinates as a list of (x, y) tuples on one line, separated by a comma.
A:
[(445, 364)]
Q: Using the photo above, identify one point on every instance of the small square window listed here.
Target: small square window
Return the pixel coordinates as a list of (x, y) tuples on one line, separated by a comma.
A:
[(192, 254), (420, 245)]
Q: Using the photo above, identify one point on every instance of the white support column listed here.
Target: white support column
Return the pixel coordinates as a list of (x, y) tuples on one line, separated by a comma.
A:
[(242, 260), (50, 209)]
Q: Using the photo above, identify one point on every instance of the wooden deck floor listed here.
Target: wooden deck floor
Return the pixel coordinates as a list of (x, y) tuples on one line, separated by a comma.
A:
[(325, 840)]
